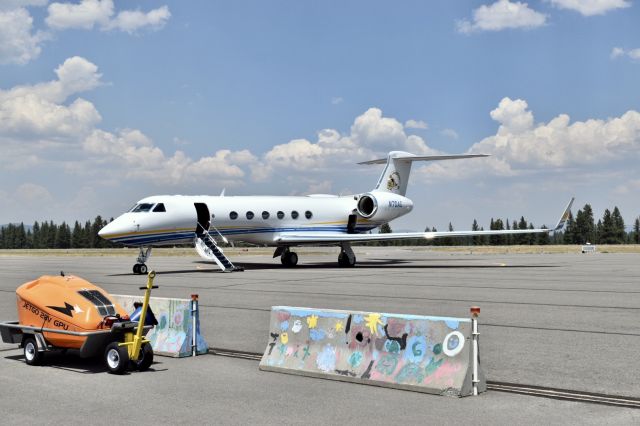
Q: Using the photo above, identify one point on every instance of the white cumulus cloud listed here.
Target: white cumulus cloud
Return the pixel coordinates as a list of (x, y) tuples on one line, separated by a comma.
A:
[(371, 135), (100, 13), (416, 124), (591, 7), (618, 52), (38, 112), (519, 145), (131, 21), (19, 43), (502, 15)]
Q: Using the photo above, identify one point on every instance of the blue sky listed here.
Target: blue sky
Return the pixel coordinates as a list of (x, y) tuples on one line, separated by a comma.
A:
[(285, 97)]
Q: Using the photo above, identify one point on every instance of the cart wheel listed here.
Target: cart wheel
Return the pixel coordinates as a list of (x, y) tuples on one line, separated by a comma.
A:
[(31, 353), (116, 358), (145, 359)]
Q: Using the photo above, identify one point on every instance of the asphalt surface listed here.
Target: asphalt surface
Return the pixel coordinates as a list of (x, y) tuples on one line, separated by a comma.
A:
[(561, 320)]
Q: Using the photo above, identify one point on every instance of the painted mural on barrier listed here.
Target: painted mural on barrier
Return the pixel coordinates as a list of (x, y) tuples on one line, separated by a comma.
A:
[(428, 353), (172, 335)]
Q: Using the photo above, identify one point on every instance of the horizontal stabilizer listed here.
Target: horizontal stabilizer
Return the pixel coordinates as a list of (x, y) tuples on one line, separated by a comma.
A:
[(412, 158)]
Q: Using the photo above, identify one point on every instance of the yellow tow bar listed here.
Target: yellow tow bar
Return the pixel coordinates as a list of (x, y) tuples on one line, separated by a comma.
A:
[(134, 342)]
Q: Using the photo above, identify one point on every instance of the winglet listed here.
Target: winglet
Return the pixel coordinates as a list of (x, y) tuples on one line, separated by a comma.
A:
[(565, 216)]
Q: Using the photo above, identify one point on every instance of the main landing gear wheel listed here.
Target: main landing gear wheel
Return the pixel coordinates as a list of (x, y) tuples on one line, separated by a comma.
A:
[(116, 358), (140, 268), (289, 259), (31, 354), (344, 262)]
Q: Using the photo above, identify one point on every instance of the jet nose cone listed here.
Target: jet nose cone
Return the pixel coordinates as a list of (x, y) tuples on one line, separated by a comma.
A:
[(105, 232), (111, 229)]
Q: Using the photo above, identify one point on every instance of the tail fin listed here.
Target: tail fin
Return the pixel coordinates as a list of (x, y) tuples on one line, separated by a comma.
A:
[(395, 176)]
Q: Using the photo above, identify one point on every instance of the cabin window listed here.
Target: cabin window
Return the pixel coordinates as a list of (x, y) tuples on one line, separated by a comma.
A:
[(233, 215), (294, 214), (265, 215), (142, 207), (159, 208), (249, 215), (280, 215), (308, 214)]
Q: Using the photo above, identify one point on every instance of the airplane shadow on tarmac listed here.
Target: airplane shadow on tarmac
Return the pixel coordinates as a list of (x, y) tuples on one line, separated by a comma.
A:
[(399, 264), (381, 264), (72, 362), (367, 264)]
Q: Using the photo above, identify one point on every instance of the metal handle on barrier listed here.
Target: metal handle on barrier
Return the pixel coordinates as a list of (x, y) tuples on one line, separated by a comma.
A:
[(144, 288)]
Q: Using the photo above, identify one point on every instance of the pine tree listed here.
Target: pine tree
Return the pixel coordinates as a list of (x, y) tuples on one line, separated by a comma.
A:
[(607, 229), (636, 231), (496, 240), (21, 237), (96, 241), (77, 236), (62, 237), (477, 239), (619, 234), (36, 235), (590, 227), (543, 237), (570, 234)]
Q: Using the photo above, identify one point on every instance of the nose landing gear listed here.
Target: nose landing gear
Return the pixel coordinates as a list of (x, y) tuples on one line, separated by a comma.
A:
[(143, 256)]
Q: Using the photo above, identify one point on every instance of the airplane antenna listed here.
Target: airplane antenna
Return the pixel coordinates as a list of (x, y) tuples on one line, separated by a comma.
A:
[(222, 193), (62, 273)]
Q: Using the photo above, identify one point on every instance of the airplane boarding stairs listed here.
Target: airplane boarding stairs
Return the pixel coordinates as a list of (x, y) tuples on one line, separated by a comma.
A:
[(207, 248)]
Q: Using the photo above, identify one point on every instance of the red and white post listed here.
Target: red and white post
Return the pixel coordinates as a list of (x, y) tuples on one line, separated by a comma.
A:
[(475, 312), (194, 324)]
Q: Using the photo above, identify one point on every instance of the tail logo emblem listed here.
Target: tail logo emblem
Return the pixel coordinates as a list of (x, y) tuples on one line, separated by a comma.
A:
[(393, 184)]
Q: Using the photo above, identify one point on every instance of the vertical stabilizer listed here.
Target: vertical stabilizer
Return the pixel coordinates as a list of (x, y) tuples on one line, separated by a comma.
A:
[(395, 176)]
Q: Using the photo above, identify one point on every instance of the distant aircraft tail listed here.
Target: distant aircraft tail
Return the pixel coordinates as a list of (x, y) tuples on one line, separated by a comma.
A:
[(395, 176)]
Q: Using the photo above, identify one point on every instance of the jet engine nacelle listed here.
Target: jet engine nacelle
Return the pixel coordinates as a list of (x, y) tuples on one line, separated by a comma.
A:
[(382, 206)]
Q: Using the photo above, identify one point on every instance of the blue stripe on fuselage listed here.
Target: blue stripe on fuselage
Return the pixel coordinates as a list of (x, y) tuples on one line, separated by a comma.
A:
[(138, 240)]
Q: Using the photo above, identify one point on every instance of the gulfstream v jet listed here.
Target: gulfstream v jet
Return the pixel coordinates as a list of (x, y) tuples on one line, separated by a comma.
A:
[(283, 222)]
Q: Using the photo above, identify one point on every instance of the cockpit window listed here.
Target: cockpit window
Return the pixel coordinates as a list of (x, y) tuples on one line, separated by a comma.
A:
[(159, 208), (142, 207)]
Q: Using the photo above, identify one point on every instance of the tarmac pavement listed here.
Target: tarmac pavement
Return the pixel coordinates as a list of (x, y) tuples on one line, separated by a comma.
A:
[(559, 320)]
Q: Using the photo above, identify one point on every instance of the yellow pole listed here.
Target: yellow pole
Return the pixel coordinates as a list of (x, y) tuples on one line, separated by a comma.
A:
[(138, 340)]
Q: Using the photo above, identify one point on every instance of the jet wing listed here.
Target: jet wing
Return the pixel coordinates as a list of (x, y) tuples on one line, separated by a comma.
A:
[(338, 237)]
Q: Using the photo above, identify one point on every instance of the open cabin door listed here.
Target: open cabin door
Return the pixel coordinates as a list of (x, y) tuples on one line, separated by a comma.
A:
[(203, 218)]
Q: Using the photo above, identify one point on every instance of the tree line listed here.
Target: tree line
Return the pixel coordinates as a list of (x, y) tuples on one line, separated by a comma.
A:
[(47, 235), (580, 229)]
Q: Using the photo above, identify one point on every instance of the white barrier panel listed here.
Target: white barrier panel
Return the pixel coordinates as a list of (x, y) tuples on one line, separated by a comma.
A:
[(421, 353), (173, 336)]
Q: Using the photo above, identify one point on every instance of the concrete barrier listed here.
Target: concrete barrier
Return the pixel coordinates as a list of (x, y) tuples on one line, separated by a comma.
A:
[(419, 353), (173, 335)]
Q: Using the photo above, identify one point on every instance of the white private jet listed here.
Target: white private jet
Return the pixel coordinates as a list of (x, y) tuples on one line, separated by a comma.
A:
[(282, 221)]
